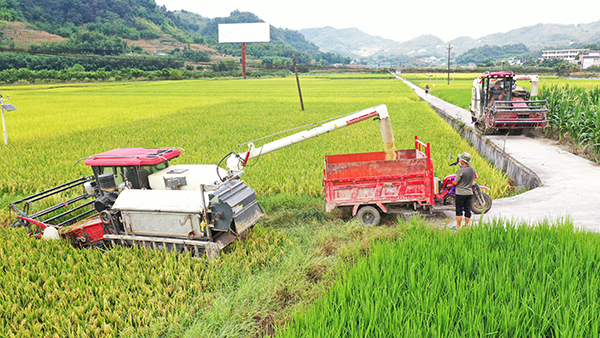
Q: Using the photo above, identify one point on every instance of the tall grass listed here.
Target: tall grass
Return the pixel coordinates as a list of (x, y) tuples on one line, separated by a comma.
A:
[(498, 279)]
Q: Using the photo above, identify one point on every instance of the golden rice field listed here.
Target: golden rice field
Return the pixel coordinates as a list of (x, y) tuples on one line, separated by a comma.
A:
[(53, 290), (55, 125)]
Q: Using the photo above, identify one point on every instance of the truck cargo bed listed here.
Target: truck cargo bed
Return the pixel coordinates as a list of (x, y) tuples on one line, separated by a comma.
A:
[(367, 178)]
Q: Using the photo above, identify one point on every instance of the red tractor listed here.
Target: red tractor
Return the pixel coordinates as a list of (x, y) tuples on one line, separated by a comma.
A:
[(497, 103)]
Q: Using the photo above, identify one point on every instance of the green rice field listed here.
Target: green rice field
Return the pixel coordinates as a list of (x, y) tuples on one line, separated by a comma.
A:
[(498, 279)]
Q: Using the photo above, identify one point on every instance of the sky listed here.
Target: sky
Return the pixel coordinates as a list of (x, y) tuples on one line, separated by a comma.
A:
[(402, 20)]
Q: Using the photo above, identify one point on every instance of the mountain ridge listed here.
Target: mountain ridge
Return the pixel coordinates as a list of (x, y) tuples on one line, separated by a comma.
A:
[(358, 44)]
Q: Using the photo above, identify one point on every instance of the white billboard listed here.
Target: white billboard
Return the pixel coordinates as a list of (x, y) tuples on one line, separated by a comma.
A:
[(244, 32)]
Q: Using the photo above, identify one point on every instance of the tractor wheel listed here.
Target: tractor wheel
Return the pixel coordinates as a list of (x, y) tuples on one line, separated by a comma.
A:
[(479, 208), (368, 216)]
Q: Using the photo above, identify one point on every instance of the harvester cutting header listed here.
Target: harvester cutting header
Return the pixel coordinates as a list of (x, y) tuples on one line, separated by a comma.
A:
[(135, 197)]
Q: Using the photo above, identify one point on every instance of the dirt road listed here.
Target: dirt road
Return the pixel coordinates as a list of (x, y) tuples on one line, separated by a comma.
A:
[(570, 185)]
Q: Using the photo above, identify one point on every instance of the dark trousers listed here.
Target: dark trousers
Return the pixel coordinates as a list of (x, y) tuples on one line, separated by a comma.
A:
[(463, 203)]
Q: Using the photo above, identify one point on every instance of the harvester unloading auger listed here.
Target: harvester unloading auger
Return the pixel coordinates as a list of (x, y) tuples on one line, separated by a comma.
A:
[(134, 197)]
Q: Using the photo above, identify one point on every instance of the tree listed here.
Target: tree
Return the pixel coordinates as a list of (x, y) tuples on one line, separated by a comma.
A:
[(565, 68), (551, 62), (493, 53), (77, 68)]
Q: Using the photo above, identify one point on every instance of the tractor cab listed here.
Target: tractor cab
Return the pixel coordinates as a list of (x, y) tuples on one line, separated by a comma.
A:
[(497, 89), (489, 88)]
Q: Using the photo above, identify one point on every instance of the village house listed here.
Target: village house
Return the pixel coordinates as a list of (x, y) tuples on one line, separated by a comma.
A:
[(590, 58), (565, 54)]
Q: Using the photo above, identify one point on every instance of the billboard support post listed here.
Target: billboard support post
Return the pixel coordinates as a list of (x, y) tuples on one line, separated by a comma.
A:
[(243, 60)]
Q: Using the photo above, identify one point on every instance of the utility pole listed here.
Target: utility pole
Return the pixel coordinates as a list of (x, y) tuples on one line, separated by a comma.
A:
[(449, 48)]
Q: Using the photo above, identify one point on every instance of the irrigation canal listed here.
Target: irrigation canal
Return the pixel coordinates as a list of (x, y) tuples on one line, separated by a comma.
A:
[(559, 184)]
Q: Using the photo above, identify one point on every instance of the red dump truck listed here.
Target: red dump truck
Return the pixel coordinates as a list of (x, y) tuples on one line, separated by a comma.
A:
[(369, 184)]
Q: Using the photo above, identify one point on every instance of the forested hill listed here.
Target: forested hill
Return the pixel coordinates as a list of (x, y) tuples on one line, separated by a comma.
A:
[(117, 27), (130, 19)]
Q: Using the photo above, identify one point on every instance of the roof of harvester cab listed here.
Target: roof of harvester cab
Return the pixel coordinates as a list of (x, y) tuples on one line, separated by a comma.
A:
[(132, 156), (497, 74)]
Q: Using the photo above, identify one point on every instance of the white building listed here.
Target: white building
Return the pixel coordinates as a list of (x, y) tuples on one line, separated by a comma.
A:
[(590, 58), (565, 54)]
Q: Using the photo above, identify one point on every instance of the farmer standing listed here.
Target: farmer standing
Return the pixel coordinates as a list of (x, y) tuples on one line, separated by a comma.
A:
[(464, 191), (427, 88)]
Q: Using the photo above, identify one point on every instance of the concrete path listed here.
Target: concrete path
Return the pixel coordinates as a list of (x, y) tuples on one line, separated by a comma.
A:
[(570, 185)]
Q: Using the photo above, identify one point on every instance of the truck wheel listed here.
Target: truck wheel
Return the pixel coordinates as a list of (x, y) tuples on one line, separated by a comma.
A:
[(368, 216), (479, 208)]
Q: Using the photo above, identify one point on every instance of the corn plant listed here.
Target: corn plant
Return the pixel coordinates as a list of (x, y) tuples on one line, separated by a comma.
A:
[(574, 113)]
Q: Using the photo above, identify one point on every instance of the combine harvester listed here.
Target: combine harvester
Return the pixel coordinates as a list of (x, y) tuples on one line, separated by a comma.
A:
[(498, 104), (134, 196)]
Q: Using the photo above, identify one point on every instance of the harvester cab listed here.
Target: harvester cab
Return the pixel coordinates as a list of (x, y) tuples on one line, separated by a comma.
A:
[(498, 103), (125, 168)]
